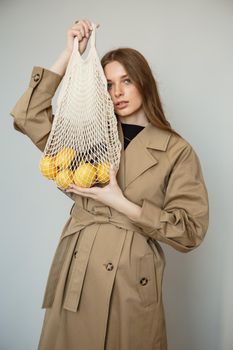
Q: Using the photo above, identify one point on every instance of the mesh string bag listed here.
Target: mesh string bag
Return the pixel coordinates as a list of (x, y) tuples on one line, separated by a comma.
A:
[(84, 138)]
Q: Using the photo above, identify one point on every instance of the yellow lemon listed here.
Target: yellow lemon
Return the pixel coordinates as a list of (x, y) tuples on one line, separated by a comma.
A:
[(47, 167), (85, 175), (64, 178), (102, 172), (65, 157)]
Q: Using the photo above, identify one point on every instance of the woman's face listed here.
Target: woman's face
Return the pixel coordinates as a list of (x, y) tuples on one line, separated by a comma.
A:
[(122, 89)]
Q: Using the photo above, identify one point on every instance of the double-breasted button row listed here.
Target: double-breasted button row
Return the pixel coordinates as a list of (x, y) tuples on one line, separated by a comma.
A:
[(143, 281), (36, 77)]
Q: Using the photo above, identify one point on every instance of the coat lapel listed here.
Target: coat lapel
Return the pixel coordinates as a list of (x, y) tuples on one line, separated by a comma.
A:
[(137, 158)]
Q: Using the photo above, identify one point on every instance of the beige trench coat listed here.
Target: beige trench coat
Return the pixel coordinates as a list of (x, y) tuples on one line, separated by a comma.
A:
[(104, 289)]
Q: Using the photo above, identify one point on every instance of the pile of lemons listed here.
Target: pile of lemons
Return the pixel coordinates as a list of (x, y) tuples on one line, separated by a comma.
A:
[(58, 168)]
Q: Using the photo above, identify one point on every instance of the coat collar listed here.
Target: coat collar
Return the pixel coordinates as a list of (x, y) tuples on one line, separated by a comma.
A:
[(137, 158)]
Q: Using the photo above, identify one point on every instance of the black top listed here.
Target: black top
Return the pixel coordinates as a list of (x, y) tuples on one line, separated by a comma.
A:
[(130, 131)]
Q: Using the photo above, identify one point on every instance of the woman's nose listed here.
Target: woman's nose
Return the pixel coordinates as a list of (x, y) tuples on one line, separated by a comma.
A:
[(118, 91)]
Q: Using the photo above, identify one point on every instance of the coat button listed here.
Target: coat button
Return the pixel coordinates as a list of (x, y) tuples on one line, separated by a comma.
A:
[(109, 267), (143, 281), (75, 253), (36, 77)]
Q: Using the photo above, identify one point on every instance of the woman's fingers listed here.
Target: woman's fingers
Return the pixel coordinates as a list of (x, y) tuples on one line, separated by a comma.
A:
[(84, 27), (86, 192), (88, 26), (81, 30), (77, 33), (78, 28)]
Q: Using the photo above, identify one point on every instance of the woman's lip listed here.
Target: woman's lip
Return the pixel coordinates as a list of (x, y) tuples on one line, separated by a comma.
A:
[(122, 104)]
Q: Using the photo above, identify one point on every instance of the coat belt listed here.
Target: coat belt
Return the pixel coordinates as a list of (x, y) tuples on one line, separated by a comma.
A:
[(81, 218)]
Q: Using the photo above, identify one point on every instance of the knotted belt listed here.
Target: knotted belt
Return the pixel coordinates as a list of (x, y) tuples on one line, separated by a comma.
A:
[(81, 218)]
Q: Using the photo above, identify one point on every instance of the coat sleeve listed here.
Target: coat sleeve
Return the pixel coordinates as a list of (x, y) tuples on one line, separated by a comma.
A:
[(182, 222), (32, 114), (33, 111)]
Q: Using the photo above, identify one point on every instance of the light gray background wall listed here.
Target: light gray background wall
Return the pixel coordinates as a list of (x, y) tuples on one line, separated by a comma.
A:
[(189, 47)]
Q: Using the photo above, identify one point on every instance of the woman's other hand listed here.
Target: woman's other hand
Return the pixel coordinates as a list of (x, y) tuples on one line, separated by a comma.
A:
[(110, 195)]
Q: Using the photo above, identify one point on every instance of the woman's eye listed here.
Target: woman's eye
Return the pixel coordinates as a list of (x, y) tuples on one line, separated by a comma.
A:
[(109, 85)]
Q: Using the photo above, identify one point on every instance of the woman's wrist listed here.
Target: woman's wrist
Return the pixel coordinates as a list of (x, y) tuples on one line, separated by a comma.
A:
[(130, 209), (60, 65)]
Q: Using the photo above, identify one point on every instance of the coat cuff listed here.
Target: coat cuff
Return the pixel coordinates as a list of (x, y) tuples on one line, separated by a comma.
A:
[(50, 80)]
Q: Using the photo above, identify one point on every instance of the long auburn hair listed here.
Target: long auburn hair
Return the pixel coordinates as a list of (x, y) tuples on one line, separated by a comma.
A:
[(140, 73)]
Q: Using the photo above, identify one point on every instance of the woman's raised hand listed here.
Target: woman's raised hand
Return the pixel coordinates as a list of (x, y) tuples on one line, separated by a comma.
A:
[(81, 30)]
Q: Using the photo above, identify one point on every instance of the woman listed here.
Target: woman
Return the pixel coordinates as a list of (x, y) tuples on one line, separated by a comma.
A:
[(104, 289)]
